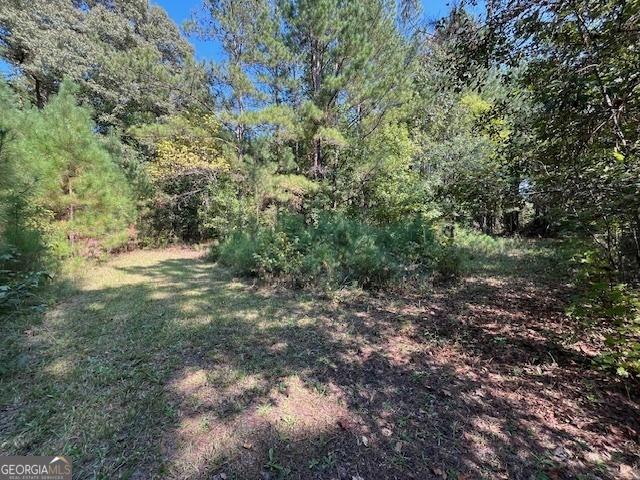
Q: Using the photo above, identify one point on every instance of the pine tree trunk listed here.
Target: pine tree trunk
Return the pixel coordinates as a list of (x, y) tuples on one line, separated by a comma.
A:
[(317, 157), (316, 80), (40, 97)]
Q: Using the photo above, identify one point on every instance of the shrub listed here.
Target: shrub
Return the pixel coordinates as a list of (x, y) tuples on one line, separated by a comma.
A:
[(61, 191), (56, 176), (192, 192), (449, 262), (614, 307), (17, 283), (335, 251), (238, 253)]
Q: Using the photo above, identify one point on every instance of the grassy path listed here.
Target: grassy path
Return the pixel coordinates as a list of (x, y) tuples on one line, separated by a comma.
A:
[(161, 364)]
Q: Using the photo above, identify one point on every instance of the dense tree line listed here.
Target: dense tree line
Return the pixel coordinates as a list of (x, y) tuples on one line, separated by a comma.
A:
[(357, 118)]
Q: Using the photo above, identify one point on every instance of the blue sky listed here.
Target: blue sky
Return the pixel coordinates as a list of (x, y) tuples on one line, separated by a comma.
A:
[(181, 10)]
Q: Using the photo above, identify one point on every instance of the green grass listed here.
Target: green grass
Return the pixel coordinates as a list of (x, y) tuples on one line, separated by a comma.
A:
[(90, 379), (161, 363), (487, 255)]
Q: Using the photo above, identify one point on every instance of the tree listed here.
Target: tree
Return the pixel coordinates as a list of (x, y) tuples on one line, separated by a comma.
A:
[(582, 73), (60, 189), (304, 85), (189, 165), (463, 123), (356, 68), (238, 27), (129, 59)]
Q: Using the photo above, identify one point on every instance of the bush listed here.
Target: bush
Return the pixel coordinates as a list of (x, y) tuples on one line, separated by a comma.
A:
[(614, 308), (336, 251), (61, 191), (192, 193), (56, 176), (17, 283), (237, 252), (449, 262)]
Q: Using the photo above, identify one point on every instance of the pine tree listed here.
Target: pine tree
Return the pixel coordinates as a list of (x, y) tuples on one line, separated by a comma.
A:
[(57, 181)]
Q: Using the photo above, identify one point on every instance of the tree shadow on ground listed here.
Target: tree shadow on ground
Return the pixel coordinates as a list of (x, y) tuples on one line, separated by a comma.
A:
[(183, 371)]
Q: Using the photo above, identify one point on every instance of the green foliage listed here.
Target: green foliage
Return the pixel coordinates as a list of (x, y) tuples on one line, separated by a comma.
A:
[(579, 144), (462, 131), (226, 209), (335, 251), (353, 57), (127, 57), (449, 263), (61, 192), (582, 149), (192, 194), (202, 190), (613, 308), (379, 180), (18, 285), (326, 128), (618, 306), (477, 243)]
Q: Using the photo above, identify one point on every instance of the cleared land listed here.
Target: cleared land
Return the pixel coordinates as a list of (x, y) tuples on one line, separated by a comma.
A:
[(161, 364)]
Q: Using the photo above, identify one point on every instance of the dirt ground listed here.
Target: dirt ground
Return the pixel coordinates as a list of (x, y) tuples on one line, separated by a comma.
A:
[(473, 384)]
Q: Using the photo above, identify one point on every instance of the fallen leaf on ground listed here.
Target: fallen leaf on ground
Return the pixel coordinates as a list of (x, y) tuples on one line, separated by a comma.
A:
[(346, 423), (627, 472), (438, 472)]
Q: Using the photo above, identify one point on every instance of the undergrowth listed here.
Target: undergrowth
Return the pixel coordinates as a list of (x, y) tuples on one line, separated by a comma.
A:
[(614, 308), (336, 251)]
